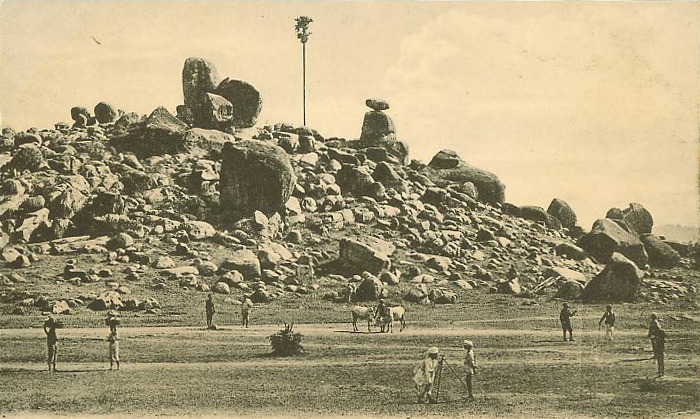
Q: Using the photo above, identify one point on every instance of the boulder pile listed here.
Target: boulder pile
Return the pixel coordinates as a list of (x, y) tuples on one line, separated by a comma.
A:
[(198, 203)]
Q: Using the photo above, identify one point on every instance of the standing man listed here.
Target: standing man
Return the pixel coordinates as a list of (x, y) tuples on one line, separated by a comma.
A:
[(565, 319), (424, 375), (658, 342), (51, 341), (470, 365), (210, 311), (113, 349), (246, 307), (609, 319)]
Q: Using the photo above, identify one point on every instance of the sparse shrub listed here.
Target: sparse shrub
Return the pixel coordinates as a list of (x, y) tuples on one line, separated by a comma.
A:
[(286, 342)]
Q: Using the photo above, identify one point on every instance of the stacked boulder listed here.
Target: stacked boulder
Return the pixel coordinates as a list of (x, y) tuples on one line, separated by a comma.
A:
[(378, 131), (212, 104)]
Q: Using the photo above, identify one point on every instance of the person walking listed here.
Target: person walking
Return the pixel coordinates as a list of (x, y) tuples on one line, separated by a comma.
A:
[(565, 319), (210, 311), (50, 326), (609, 319), (470, 365), (658, 343), (246, 307), (113, 349), (424, 375)]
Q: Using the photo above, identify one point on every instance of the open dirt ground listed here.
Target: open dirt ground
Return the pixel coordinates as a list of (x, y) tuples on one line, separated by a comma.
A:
[(523, 371)]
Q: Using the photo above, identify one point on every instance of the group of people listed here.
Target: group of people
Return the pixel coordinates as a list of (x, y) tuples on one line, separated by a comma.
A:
[(51, 324), (425, 373), (656, 333), (246, 308)]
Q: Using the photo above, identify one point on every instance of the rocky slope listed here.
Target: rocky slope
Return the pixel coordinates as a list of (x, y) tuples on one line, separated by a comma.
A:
[(202, 202)]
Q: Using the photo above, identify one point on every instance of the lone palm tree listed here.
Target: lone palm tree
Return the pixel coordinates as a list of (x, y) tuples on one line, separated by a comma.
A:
[(302, 28)]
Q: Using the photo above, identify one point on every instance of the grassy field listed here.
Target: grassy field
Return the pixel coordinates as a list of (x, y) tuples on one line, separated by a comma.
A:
[(524, 368)]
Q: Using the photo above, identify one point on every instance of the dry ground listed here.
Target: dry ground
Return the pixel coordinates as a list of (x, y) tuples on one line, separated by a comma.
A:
[(524, 370)]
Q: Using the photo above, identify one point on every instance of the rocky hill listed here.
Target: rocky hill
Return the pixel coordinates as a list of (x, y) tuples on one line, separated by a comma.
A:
[(204, 201)]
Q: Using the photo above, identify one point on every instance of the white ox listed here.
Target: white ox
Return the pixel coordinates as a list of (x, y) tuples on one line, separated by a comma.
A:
[(389, 316), (362, 313)]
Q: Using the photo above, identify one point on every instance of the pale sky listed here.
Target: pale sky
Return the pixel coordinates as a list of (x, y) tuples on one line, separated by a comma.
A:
[(595, 103)]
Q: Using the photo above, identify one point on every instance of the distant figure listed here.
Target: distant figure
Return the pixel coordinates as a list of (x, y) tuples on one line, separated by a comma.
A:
[(470, 365), (658, 342), (565, 319), (424, 375), (380, 313), (51, 341), (609, 319), (113, 349), (305, 268), (210, 311), (246, 307)]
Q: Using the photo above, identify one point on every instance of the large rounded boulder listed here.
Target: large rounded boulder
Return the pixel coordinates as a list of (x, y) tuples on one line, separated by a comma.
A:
[(563, 212), (447, 167), (638, 218), (607, 237), (255, 176), (661, 255), (246, 101), (618, 281)]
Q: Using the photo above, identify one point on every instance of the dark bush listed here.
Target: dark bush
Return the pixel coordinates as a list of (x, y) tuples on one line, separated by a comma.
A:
[(286, 342)]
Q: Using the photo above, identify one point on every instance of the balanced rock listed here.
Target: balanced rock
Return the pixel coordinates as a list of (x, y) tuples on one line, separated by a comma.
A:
[(377, 104), (446, 167), (661, 255), (255, 176), (607, 237), (618, 281), (199, 77), (244, 98), (563, 212)]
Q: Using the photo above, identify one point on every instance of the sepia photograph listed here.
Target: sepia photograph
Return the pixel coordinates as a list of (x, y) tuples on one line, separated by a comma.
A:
[(361, 209)]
